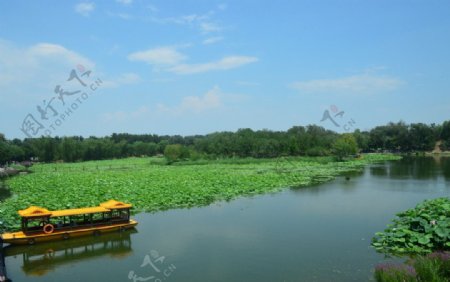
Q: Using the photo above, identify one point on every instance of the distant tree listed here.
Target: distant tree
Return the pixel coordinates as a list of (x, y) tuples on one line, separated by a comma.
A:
[(445, 131), (140, 148), (175, 152), (422, 137), (294, 135), (362, 139), (245, 142), (4, 152), (377, 138), (445, 135), (393, 137), (162, 146), (70, 149), (344, 146)]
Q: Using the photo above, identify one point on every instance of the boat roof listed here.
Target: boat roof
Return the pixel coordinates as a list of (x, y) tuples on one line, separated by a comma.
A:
[(113, 204), (35, 211), (79, 211)]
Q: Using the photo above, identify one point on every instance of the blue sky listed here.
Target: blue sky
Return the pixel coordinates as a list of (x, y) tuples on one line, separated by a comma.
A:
[(195, 67)]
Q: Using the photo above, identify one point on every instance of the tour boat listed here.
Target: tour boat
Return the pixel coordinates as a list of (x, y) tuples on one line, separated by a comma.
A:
[(41, 225)]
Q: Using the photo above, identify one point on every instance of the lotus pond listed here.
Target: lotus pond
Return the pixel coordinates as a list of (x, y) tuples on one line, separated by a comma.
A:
[(316, 233), (151, 185)]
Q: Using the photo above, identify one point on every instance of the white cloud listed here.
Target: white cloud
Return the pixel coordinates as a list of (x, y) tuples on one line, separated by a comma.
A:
[(158, 56), (123, 79), (39, 60), (212, 40), (30, 73), (169, 59), (205, 23), (195, 104), (207, 27), (191, 19), (210, 101), (359, 84), (85, 9), (226, 63), (124, 2), (187, 19), (48, 50)]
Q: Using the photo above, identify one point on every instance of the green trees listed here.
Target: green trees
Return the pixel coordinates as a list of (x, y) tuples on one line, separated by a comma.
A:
[(140, 148), (445, 135), (311, 140), (400, 137), (422, 137), (70, 149), (4, 151), (10, 150), (345, 146), (175, 152), (362, 139)]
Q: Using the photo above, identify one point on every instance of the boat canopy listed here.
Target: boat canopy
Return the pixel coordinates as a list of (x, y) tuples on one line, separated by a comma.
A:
[(79, 211), (113, 204), (35, 211)]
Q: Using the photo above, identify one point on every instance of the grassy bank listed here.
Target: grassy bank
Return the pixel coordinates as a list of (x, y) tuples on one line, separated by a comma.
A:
[(150, 185)]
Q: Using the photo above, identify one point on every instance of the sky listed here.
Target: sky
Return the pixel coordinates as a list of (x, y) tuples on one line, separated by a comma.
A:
[(93, 68)]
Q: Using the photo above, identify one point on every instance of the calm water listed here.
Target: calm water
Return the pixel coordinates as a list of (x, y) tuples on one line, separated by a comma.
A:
[(321, 233)]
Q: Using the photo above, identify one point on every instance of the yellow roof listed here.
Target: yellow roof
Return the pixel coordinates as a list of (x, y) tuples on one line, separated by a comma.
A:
[(34, 211), (113, 204), (78, 211)]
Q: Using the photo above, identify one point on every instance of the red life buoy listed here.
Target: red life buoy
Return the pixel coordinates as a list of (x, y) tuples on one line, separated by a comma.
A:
[(49, 228)]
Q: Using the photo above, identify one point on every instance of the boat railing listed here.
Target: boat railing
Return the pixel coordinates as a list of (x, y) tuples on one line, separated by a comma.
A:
[(75, 225)]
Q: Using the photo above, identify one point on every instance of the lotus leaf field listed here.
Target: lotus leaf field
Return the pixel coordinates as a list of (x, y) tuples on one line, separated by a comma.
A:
[(424, 229), (151, 185)]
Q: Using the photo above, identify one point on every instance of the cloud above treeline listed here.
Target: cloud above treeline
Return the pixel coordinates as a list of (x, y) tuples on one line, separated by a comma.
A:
[(171, 60)]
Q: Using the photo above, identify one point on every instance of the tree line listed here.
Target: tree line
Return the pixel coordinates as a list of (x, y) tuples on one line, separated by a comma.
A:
[(311, 140)]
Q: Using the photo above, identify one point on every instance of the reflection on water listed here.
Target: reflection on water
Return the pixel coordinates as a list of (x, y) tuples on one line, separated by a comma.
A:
[(424, 168), (3, 273), (39, 259)]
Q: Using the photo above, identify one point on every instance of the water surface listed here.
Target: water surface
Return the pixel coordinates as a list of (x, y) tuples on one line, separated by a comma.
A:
[(320, 233)]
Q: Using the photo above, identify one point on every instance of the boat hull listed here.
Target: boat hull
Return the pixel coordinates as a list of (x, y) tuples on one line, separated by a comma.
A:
[(20, 238)]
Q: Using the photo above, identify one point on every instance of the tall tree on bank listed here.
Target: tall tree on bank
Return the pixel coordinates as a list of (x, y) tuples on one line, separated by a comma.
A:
[(345, 146)]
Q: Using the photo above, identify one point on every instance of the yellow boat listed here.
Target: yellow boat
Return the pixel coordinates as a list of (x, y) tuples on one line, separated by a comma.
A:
[(41, 225)]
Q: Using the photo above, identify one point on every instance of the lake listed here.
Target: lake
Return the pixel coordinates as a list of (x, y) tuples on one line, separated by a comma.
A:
[(318, 233)]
